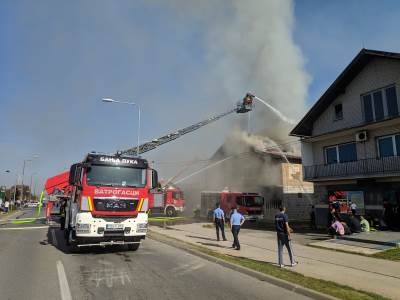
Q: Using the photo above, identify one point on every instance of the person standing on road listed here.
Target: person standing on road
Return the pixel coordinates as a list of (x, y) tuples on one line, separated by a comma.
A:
[(219, 221), (283, 232), (236, 221), (6, 205)]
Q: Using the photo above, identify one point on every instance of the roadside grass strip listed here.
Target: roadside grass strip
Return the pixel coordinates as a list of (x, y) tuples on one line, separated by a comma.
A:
[(162, 219), (21, 221), (391, 254), (323, 286)]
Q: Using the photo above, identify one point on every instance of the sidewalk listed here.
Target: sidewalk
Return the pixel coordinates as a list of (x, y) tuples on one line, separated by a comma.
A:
[(364, 273)]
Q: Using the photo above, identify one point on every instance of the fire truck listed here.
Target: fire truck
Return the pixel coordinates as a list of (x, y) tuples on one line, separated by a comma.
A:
[(109, 201), (168, 201), (250, 205)]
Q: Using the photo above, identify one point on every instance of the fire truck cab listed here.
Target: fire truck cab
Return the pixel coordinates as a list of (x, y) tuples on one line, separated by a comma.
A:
[(250, 205), (109, 201), (169, 201)]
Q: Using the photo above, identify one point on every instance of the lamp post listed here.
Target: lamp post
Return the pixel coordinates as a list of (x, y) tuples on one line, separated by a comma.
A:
[(23, 174), (30, 186), (109, 100)]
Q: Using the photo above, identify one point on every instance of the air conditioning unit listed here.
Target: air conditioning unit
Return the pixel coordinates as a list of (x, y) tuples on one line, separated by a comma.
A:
[(361, 136)]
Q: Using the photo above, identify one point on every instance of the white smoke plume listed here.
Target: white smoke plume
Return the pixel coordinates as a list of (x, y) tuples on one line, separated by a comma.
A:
[(249, 46)]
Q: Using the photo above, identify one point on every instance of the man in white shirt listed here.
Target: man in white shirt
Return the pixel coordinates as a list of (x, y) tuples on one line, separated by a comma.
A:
[(6, 205), (353, 208)]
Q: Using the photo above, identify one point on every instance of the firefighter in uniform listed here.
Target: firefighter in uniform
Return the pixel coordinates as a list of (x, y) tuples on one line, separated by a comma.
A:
[(219, 220)]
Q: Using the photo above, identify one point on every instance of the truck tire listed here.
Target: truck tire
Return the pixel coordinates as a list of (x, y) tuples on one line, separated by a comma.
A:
[(71, 242), (170, 212), (133, 247)]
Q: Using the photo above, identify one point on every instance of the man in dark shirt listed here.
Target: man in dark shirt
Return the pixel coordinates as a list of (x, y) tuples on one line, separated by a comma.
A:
[(354, 224), (283, 232)]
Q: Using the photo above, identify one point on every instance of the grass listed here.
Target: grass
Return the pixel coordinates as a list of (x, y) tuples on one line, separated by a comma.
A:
[(391, 254), (162, 219), (20, 221), (320, 285)]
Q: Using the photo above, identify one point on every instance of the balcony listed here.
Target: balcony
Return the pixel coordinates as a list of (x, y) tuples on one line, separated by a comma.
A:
[(364, 168)]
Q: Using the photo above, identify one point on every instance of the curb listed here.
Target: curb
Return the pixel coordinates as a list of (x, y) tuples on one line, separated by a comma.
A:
[(258, 275)]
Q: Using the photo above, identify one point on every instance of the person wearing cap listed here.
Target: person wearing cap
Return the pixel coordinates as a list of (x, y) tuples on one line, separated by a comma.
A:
[(236, 221), (219, 221)]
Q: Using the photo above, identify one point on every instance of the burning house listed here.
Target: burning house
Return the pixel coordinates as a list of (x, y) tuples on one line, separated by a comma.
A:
[(274, 173)]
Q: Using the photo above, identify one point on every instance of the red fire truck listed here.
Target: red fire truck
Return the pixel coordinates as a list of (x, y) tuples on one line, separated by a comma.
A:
[(250, 205), (109, 201), (169, 201)]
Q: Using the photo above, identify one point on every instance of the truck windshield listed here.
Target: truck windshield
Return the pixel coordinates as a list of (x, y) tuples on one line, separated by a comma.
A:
[(254, 201), (176, 195), (116, 176)]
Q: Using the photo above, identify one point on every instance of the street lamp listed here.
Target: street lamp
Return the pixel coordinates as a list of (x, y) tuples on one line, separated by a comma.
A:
[(30, 186), (109, 100), (23, 174)]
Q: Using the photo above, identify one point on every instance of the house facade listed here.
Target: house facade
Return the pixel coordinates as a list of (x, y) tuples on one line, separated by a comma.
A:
[(351, 137), (278, 179)]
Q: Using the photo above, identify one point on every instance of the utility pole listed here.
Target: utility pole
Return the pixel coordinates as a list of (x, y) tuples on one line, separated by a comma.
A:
[(23, 174), (30, 185), (22, 182)]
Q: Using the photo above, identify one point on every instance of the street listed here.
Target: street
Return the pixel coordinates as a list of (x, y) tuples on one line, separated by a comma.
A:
[(35, 264)]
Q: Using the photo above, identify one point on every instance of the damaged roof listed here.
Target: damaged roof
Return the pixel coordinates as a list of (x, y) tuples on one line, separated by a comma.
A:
[(305, 126)]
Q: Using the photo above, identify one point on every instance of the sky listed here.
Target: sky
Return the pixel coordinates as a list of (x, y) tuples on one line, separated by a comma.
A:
[(181, 61)]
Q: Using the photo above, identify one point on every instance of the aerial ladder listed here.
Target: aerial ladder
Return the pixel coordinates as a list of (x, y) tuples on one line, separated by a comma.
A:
[(243, 106)]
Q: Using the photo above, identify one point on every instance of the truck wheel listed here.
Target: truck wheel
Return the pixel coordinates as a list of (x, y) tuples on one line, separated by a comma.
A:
[(170, 212), (71, 242), (133, 247)]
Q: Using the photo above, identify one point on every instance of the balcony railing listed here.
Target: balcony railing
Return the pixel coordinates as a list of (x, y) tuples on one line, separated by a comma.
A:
[(384, 166)]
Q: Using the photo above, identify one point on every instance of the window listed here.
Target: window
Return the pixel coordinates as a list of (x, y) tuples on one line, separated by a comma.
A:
[(338, 111), (391, 99), (389, 145), (380, 104), (331, 155), (341, 153)]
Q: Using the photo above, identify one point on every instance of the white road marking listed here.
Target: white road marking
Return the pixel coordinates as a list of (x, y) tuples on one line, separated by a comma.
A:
[(62, 279), (53, 237), (24, 228)]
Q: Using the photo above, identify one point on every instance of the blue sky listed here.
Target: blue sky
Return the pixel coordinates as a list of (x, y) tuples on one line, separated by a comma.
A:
[(58, 58)]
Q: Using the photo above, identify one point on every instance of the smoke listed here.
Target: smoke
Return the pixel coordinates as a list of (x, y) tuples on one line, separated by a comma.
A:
[(249, 46), (180, 60)]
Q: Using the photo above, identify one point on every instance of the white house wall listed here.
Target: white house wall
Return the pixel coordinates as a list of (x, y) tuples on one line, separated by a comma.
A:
[(367, 149), (380, 72)]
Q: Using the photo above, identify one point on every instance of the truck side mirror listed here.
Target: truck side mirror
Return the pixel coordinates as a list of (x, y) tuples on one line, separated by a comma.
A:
[(154, 179), (72, 174)]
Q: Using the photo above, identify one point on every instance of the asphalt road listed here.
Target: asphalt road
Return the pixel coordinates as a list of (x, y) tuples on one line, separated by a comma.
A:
[(35, 264)]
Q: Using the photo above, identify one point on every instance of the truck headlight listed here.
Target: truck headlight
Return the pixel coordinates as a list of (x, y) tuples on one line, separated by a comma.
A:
[(82, 227), (141, 227)]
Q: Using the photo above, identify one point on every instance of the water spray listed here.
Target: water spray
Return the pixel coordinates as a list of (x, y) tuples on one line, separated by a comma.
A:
[(276, 111), (203, 169)]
